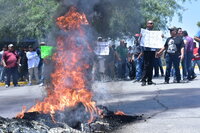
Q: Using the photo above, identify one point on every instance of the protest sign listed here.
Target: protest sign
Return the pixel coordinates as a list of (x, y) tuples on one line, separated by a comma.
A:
[(46, 51), (102, 48), (151, 39)]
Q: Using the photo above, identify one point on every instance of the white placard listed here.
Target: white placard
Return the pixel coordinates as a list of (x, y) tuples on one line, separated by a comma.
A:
[(151, 39), (102, 48)]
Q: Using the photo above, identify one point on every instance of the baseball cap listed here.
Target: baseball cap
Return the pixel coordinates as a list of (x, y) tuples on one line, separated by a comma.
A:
[(42, 43), (10, 45)]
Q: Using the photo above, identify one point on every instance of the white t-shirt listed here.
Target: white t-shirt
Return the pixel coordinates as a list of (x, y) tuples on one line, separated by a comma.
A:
[(33, 59)]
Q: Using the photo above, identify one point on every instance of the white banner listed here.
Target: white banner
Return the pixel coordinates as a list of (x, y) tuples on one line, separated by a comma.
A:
[(102, 48), (151, 39)]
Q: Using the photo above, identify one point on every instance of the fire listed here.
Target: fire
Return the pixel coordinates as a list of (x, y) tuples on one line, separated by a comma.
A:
[(119, 113), (68, 78)]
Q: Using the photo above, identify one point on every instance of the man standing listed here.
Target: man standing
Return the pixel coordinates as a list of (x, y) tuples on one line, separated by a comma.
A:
[(148, 56), (10, 62), (137, 57), (174, 47), (122, 51), (189, 46)]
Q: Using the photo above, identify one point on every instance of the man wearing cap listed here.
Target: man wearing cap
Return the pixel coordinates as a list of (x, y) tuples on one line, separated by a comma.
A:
[(174, 47), (10, 61), (137, 57)]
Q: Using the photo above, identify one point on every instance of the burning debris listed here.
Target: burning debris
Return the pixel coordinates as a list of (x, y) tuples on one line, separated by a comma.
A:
[(35, 122)]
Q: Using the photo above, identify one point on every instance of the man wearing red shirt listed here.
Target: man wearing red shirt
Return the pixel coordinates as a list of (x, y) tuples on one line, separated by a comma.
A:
[(196, 59), (11, 61)]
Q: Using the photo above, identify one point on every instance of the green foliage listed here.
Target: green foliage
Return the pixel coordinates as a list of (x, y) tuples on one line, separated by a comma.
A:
[(112, 18), (198, 24), (26, 18), (126, 17)]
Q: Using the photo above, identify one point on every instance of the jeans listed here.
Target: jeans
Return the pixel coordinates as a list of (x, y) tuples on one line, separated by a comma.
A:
[(139, 64), (189, 56), (1, 73), (12, 72), (172, 59), (184, 67), (157, 65), (194, 62)]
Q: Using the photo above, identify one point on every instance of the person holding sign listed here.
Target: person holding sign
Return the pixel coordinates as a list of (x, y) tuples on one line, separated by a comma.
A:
[(46, 53), (148, 58)]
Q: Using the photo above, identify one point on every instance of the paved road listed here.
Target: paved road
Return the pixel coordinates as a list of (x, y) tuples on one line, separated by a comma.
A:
[(171, 108)]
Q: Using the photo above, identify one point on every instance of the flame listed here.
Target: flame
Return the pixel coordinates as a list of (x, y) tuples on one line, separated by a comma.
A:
[(68, 78), (119, 113)]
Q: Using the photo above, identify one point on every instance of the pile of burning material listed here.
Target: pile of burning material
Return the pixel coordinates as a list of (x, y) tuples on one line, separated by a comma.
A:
[(69, 106), (35, 122)]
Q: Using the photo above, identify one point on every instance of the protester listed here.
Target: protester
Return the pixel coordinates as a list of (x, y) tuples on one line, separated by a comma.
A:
[(189, 46), (183, 62), (10, 61), (195, 60), (33, 62), (110, 62), (122, 51), (23, 70), (130, 64), (174, 47), (2, 70), (149, 56), (197, 38), (138, 58), (41, 64)]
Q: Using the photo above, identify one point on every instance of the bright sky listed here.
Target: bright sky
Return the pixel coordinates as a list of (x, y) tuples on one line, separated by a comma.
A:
[(190, 18)]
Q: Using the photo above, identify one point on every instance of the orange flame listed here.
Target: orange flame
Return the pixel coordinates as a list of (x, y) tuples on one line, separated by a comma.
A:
[(119, 113), (68, 79)]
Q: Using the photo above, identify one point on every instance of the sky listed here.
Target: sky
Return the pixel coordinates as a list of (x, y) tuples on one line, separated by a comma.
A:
[(190, 18)]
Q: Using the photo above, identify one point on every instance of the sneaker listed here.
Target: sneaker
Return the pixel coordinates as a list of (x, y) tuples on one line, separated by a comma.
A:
[(151, 83), (143, 83), (6, 86)]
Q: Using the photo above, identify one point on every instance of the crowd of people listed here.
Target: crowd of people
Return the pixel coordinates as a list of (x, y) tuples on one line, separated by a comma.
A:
[(21, 65), (135, 62), (143, 63)]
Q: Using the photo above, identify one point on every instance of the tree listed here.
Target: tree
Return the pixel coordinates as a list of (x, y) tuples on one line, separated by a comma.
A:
[(26, 18), (117, 18), (198, 24), (110, 18)]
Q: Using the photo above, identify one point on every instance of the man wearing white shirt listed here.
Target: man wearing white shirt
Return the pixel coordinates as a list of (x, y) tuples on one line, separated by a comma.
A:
[(33, 62)]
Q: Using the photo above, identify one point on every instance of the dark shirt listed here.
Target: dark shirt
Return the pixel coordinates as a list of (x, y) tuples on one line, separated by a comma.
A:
[(10, 58), (173, 45)]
